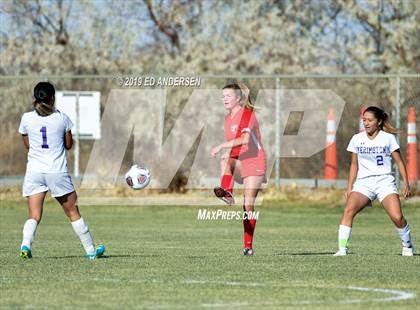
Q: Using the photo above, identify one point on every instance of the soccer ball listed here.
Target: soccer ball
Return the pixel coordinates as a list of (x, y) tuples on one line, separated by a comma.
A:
[(137, 177)]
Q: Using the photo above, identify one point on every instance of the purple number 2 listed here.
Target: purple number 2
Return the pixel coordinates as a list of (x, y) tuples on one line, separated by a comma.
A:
[(44, 137)]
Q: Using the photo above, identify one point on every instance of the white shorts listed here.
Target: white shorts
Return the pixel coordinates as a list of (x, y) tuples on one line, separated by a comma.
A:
[(377, 186), (59, 184)]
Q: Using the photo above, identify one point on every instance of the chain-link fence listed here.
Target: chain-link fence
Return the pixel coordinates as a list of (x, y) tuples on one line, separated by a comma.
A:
[(395, 93)]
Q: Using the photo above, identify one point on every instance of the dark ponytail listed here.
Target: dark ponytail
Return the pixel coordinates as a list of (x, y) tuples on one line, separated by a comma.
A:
[(383, 119), (44, 94)]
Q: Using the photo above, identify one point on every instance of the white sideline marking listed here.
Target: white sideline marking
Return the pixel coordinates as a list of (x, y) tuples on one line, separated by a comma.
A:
[(397, 295), (231, 283)]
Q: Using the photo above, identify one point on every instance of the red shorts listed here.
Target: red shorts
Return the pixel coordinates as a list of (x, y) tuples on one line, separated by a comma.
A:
[(254, 166)]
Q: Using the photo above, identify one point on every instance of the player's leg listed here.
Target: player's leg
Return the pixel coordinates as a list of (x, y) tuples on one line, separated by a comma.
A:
[(35, 206), (237, 172), (227, 167), (69, 204), (225, 190), (392, 206), (252, 185), (356, 202)]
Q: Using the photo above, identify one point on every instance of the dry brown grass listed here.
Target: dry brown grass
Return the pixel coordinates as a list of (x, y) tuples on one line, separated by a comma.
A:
[(331, 196)]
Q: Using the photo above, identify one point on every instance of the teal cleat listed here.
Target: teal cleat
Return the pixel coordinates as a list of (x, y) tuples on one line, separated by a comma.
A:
[(25, 252), (100, 250)]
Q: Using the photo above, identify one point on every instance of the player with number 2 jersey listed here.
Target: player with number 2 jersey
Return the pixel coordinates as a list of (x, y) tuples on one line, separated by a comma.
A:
[(371, 177)]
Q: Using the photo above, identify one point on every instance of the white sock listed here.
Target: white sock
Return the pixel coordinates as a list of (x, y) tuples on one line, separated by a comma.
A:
[(29, 230), (82, 230), (344, 233), (404, 234)]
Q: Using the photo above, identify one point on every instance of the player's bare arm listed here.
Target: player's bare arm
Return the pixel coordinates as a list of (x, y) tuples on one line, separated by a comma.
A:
[(25, 141), (405, 190), (68, 140), (243, 139), (354, 167)]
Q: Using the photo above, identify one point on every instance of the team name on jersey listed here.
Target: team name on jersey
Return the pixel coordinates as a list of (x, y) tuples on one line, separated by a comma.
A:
[(373, 149)]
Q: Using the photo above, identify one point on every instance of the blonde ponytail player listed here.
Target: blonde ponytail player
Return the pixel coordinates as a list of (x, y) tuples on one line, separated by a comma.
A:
[(243, 157)]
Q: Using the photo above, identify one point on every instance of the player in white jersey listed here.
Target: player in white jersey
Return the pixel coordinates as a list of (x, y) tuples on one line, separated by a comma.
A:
[(371, 177), (46, 133)]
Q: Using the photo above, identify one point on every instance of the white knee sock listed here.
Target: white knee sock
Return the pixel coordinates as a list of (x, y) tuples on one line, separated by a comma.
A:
[(29, 230), (82, 230), (344, 233), (404, 234)]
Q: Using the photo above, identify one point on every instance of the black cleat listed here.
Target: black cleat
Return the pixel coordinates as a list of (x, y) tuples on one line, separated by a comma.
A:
[(248, 252), (224, 195)]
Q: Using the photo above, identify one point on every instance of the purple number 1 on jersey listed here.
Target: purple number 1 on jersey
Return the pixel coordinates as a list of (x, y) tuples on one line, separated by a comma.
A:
[(44, 137)]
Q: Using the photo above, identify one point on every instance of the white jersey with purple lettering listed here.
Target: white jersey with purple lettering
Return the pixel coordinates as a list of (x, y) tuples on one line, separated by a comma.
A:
[(373, 155), (46, 141)]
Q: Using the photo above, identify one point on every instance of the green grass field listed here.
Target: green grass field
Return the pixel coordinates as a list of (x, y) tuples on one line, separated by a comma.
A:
[(164, 258)]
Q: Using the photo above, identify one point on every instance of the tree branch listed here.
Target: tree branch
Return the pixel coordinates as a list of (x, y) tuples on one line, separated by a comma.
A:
[(166, 29)]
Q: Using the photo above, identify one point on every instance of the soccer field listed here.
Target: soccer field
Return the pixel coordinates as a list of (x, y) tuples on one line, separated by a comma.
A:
[(164, 258)]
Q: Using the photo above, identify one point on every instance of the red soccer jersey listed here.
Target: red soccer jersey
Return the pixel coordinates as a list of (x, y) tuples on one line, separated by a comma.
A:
[(243, 121)]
